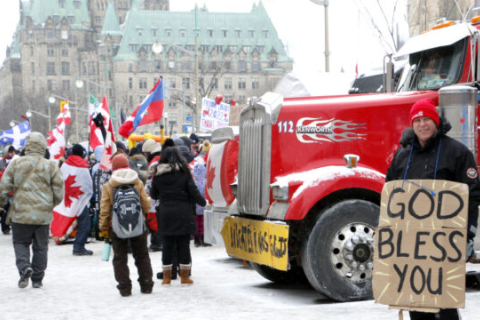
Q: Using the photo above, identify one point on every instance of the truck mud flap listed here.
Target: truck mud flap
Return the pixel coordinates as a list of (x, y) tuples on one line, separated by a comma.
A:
[(262, 242)]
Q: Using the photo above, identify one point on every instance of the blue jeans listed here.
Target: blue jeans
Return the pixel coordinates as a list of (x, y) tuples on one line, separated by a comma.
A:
[(83, 230)]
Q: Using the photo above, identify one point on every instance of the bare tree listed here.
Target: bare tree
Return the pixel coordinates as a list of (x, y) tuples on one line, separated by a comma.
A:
[(384, 18), (208, 81)]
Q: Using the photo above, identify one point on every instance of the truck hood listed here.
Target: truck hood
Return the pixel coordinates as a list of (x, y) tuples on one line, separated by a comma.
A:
[(362, 100)]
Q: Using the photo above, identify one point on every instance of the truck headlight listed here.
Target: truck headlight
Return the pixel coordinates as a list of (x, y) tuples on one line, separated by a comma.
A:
[(279, 192)]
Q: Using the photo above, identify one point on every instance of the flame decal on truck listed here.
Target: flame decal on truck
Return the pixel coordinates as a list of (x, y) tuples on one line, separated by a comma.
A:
[(316, 130)]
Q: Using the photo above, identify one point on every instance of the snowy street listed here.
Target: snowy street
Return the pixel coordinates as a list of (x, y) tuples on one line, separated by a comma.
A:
[(83, 287)]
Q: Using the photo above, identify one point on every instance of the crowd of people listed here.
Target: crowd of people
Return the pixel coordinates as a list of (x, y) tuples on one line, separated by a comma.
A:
[(168, 179)]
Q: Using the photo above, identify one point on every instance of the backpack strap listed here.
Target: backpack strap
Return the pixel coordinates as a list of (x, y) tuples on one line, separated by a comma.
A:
[(26, 177), (9, 213)]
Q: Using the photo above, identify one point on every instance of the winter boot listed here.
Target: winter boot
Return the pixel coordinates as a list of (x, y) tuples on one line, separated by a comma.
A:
[(204, 244), (197, 241), (24, 276), (167, 274), (184, 274)]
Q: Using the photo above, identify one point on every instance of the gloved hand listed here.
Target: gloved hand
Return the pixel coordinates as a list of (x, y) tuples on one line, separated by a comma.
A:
[(470, 249), (104, 235)]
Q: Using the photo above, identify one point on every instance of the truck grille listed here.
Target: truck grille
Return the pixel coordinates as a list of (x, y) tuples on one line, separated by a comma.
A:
[(253, 192)]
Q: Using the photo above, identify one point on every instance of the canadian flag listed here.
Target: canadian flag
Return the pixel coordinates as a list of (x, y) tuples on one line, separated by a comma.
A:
[(65, 115), (222, 168), (56, 142), (78, 190)]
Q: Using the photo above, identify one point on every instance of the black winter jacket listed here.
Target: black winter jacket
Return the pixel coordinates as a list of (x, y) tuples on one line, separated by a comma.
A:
[(455, 163), (178, 195)]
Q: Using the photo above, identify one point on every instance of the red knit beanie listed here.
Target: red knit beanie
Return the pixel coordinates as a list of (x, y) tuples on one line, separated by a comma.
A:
[(120, 161), (424, 108)]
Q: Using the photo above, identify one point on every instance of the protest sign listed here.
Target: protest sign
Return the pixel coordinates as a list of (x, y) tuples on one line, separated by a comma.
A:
[(214, 115), (420, 245)]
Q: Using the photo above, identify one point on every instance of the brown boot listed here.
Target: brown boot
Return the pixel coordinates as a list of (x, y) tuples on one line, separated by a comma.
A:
[(167, 274), (184, 274)]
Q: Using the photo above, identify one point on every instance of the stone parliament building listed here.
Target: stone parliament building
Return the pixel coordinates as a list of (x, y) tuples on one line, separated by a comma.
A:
[(69, 49)]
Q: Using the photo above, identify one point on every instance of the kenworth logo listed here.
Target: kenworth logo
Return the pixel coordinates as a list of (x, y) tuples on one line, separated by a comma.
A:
[(316, 130)]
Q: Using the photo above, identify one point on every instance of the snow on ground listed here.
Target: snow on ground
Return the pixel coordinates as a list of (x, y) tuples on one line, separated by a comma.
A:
[(84, 288)]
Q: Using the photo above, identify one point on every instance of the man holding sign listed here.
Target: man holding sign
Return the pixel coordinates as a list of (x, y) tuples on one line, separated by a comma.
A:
[(426, 152)]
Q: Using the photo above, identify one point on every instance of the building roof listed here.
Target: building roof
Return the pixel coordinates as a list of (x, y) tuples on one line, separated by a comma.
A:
[(76, 11), (14, 48), (111, 25), (143, 28)]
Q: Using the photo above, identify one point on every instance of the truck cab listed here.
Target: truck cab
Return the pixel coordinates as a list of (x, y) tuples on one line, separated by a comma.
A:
[(311, 169)]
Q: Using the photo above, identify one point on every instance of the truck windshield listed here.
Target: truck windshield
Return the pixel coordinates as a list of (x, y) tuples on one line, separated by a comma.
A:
[(435, 68)]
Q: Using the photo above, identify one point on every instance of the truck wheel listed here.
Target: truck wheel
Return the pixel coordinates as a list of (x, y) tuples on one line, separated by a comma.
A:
[(294, 275), (337, 256)]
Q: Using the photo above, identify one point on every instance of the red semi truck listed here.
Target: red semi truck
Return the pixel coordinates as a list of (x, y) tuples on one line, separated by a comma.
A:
[(311, 169)]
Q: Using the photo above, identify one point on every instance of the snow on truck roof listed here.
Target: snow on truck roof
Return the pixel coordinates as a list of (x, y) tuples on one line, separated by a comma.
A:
[(436, 38)]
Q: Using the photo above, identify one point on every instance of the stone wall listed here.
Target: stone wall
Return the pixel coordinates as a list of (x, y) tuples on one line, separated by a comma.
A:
[(423, 14)]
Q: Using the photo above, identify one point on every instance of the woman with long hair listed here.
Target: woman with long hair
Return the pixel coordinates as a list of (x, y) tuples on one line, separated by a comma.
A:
[(173, 185)]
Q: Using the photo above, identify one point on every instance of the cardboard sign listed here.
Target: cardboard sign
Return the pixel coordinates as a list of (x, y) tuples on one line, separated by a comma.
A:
[(214, 115), (263, 242), (420, 245)]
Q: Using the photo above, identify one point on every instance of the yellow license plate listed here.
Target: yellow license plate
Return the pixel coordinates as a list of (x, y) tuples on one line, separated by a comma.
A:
[(262, 242)]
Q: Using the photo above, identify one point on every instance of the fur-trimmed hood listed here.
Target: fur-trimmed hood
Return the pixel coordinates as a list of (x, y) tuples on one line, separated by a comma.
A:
[(123, 176), (165, 168)]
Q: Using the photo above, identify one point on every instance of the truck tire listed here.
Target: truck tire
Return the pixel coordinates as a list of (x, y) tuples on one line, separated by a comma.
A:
[(294, 275), (337, 255)]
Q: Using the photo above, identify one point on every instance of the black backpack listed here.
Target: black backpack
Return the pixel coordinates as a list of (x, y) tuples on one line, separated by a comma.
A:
[(127, 216)]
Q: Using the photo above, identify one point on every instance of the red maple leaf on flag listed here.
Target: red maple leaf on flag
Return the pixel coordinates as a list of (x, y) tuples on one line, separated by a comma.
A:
[(109, 149), (210, 175), (51, 140), (71, 191), (60, 154)]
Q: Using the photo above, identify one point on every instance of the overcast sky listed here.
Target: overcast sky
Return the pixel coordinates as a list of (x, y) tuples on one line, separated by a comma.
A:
[(300, 24)]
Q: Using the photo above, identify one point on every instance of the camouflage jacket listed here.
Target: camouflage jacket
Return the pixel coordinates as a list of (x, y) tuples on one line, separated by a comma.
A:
[(34, 202)]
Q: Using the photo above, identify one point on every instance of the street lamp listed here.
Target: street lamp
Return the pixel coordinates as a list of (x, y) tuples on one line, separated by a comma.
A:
[(52, 100), (157, 48), (31, 112), (327, 51), (13, 122)]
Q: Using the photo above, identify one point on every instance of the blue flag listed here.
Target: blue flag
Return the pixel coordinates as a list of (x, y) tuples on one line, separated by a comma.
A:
[(16, 136)]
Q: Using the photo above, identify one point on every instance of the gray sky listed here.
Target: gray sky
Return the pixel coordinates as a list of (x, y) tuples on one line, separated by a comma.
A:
[(9, 17), (300, 25)]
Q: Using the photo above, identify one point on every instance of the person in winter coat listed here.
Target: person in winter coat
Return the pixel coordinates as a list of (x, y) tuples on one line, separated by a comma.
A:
[(36, 193), (98, 156), (426, 152), (123, 175), (141, 162), (78, 159), (173, 185), (199, 173), (156, 237)]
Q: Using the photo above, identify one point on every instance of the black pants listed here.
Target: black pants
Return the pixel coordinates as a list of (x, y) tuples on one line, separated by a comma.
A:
[(23, 235), (183, 249), (444, 314), (142, 261)]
